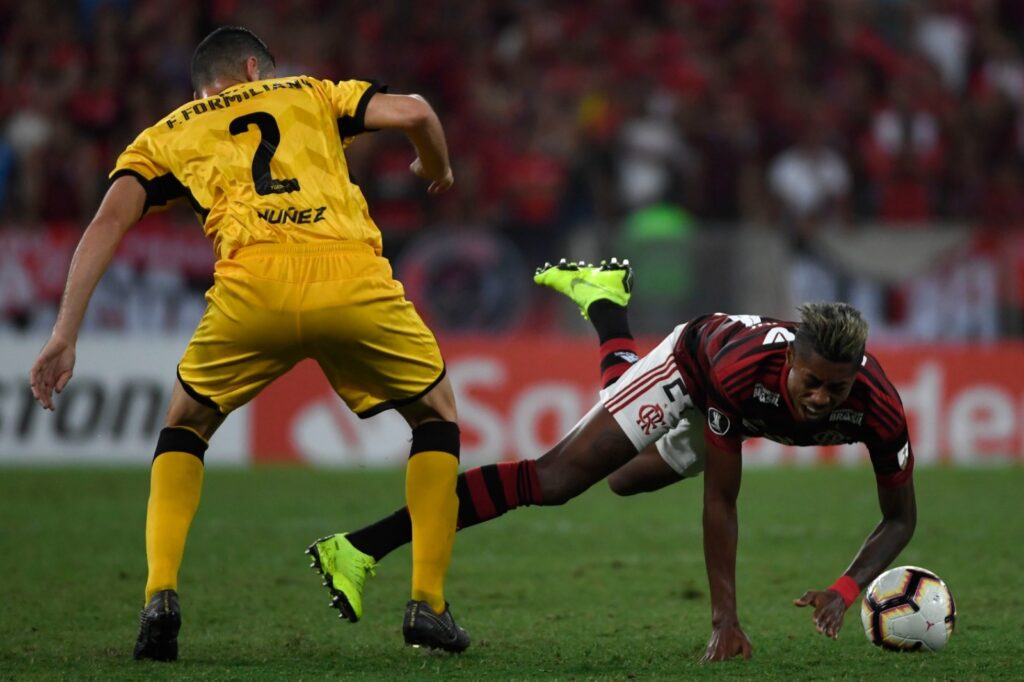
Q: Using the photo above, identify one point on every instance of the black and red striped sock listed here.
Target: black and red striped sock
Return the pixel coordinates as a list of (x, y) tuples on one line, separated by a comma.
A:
[(484, 493), (617, 355), (489, 491), (618, 349)]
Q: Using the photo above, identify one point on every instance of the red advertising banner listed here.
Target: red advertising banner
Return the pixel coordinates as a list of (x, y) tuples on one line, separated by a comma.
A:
[(518, 396), (964, 403), (34, 262)]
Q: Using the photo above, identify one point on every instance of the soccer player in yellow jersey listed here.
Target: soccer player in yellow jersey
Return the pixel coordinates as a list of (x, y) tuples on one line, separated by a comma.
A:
[(299, 274)]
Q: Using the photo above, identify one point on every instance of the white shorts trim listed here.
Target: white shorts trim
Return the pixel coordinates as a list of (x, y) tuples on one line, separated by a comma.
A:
[(650, 397)]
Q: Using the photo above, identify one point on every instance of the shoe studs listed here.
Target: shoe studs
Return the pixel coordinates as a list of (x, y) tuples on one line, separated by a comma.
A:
[(564, 264)]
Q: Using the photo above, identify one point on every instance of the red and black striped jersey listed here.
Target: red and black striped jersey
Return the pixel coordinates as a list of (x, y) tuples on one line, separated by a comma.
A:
[(735, 371)]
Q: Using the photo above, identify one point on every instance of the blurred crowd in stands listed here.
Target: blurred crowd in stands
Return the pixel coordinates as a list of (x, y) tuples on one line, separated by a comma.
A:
[(610, 117)]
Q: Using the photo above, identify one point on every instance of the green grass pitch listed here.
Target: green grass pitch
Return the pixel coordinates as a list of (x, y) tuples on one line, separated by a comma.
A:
[(602, 588)]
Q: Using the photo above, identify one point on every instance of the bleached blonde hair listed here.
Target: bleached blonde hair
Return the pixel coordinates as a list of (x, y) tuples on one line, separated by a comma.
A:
[(835, 331)]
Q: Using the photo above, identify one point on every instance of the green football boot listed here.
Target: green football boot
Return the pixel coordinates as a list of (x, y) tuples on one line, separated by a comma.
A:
[(612, 280), (344, 569)]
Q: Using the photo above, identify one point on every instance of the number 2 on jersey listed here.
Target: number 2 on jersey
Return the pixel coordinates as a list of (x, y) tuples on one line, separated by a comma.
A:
[(270, 137)]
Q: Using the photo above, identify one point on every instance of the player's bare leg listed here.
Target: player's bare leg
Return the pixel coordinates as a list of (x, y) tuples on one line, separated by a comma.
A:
[(590, 452), (602, 293), (645, 473), (176, 481)]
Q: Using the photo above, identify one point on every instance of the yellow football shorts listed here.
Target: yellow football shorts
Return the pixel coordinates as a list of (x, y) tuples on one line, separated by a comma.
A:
[(273, 305)]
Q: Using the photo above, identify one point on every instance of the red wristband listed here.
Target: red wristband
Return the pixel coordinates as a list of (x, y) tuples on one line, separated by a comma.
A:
[(847, 588)]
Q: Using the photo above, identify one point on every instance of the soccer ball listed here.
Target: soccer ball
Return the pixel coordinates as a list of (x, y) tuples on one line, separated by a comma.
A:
[(908, 609)]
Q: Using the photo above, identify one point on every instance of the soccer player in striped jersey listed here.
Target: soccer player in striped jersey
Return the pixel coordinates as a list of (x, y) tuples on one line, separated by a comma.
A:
[(299, 274), (686, 408)]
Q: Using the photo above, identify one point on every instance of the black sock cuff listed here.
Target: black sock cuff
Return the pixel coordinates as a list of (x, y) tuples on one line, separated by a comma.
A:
[(436, 437), (609, 319), (180, 439)]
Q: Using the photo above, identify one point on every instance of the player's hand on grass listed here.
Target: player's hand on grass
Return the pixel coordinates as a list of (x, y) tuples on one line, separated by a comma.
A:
[(52, 370), (437, 185), (829, 610), (725, 643)]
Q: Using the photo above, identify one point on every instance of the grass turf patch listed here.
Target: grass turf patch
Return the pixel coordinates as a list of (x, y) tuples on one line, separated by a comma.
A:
[(602, 588)]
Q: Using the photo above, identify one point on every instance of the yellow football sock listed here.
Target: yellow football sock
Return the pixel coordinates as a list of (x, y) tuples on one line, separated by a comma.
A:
[(433, 507), (175, 483)]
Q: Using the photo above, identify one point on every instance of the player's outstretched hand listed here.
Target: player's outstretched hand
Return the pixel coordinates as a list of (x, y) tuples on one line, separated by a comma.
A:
[(52, 370), (436, 185), (829, 609), (725, 643)]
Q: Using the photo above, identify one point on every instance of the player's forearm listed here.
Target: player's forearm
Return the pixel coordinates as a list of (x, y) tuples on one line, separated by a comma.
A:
[(720, 538), (94, 252), (121, 208), (899, 517), (428, 138), (880, 549), (721, 489)]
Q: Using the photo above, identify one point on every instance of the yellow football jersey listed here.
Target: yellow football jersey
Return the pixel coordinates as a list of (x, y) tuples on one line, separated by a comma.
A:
[(261, 163)]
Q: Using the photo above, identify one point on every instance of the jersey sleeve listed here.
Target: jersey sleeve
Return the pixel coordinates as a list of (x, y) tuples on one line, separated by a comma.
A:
[(349, 99), (892, 458), (143, 161), (723, 426), (887, 437)]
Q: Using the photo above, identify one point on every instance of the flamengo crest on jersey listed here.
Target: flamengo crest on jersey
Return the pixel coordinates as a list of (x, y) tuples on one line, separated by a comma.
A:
[(735, 369)]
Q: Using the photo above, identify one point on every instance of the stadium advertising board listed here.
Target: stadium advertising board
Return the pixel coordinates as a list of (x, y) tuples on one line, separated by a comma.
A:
[(516, 396), (110, 413)]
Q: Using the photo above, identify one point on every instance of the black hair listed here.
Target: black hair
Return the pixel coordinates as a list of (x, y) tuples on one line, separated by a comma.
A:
[(223, 53)]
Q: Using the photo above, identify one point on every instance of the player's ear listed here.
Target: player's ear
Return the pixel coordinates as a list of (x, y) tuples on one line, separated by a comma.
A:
[(252, 69), (789, 354)]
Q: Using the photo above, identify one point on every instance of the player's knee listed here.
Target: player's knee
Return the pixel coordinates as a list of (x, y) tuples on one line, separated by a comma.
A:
[(437, 404), (187, 412), (622, 485), (436, 436)]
